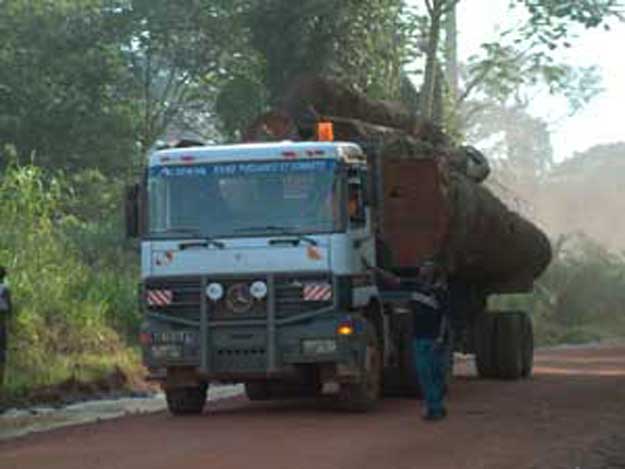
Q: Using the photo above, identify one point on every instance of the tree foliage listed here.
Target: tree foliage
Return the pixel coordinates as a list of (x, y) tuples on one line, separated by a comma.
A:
[(365, 43), (178, 54), (553, 22), (93, 83), (516, 67), (60, 90), (520, 143)]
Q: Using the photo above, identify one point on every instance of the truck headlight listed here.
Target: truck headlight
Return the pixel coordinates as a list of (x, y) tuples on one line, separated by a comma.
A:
[(215, 291), (259, 290), (318, 346)]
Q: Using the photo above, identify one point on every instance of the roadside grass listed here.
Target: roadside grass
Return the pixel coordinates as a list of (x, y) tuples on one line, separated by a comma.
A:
[(86, 374), (72, 277)]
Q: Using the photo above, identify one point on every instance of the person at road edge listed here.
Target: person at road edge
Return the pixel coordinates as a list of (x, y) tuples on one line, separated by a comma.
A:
[(430, 339)]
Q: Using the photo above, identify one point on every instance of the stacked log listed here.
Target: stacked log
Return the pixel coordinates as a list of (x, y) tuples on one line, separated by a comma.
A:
[(489, 244), (479, 238), (327, 96)]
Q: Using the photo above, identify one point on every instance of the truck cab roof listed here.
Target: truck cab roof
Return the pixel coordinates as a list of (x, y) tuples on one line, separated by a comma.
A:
[(349, 152)]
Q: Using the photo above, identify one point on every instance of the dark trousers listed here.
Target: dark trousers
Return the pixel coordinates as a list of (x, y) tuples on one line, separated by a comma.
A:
[(431, 364)]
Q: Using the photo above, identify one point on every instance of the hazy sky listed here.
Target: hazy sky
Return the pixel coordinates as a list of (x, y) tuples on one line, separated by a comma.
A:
[(602, 120)]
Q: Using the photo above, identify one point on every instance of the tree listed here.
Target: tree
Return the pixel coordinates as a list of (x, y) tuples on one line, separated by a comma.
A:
[(552, 23), (511, 69), (365, 43), (179, 56), (437, 10), (523, 141), (59, 102)]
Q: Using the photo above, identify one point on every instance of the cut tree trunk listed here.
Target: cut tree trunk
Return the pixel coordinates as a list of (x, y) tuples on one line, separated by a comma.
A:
[(429, 203)]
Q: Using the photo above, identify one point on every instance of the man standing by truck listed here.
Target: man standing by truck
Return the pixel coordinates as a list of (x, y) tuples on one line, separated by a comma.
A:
[(430, 328), (5, 310)]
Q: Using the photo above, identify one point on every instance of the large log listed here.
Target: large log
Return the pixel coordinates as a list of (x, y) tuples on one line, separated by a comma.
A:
[(313, 94), (429, 204), (431, 207), (428, 211), (490, 244)]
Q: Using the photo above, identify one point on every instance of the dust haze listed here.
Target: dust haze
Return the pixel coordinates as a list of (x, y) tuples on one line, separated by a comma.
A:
[(579, 197)]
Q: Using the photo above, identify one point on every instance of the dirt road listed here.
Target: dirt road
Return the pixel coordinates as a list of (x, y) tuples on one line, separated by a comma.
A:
[(570, 415)]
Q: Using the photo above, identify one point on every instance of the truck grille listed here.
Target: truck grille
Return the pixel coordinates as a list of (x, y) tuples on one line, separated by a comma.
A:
[(183, 291), (181, 296), (291, 298)]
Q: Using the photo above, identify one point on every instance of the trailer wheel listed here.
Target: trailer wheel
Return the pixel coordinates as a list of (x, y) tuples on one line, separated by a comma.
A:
[(363, 396), (484, 335), (509, 339), (528, 345), (188, 400)]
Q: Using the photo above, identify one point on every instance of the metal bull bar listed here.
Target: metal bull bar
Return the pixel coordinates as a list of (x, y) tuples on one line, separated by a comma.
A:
[(271, 322)]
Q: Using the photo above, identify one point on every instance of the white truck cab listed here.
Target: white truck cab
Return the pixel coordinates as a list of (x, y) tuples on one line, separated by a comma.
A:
[(255, 268)]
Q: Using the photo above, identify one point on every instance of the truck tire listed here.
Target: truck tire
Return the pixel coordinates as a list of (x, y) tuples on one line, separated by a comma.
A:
[(258, 391), (509, 345), (484, 335), (528, 345), (363, 396), (188, 400)]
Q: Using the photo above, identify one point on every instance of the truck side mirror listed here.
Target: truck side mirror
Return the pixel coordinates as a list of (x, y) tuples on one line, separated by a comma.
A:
[(131, 210)]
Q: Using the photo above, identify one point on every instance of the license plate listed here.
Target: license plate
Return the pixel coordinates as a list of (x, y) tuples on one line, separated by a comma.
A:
[(166, 351), (175, 337), (318, 346)]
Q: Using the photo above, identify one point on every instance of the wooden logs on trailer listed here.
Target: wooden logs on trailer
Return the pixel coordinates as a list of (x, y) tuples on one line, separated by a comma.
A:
[(429, 200)]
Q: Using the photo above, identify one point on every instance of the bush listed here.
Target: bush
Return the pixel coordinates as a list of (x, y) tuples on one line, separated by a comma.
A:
[(72, 276)]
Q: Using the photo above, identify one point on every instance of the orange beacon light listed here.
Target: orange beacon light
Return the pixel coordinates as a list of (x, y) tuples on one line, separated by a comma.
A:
[(325, 132)]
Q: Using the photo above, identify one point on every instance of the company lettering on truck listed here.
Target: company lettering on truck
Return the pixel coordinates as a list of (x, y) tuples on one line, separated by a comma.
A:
[(228, 199), (243, 168)]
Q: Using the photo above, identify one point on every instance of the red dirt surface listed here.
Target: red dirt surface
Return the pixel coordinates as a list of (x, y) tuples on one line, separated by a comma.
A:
[(571, 414)]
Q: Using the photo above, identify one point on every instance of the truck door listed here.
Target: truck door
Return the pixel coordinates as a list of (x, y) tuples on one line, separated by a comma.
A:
[(359, 232)]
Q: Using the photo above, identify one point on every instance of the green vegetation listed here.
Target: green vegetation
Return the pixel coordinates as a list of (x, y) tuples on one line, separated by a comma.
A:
[(71, 273)]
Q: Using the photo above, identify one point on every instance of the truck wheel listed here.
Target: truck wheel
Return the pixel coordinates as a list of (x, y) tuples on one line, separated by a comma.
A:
[(528, 345), (258, 391), (484, 335), (363, 396), (188, 400), (509, 349)]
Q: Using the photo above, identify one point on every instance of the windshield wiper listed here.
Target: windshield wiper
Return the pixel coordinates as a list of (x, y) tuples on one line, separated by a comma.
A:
[(280, 231), (195, 233)]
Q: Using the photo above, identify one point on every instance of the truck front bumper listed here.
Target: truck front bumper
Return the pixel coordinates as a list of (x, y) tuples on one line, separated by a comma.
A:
[(239, 351)]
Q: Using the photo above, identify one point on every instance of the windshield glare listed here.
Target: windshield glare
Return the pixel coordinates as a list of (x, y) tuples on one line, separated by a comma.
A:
[(243, 199)]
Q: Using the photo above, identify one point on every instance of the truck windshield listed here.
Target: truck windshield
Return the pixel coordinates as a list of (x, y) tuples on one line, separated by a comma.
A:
[(265, 198)]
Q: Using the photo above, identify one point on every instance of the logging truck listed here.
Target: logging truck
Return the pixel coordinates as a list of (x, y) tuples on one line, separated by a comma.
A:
[(258, 266)]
